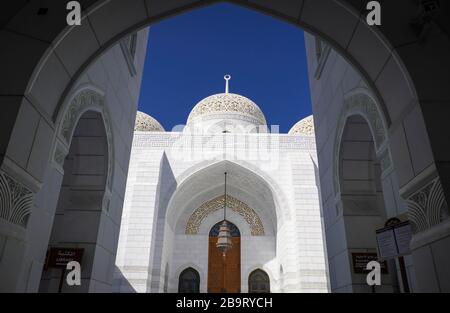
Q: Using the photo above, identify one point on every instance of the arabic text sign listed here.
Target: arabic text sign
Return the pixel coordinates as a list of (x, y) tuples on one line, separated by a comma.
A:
[(59, 257), (360, 261)]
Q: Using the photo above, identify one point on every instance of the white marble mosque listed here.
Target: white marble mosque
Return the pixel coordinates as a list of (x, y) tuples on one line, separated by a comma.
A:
[(175, 196)]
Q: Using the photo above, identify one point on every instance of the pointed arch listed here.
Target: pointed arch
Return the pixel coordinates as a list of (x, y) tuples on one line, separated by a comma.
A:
[(189, 281), (281, 202), (86, 97), (361, 102), (258, 282)]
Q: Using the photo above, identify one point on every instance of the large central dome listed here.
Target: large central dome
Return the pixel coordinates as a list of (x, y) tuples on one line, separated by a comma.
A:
[(226, 109), (227, 103)]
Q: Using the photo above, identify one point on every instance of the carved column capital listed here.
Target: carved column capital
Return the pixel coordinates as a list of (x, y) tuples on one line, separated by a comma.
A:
[(427, 206), (15, 200)]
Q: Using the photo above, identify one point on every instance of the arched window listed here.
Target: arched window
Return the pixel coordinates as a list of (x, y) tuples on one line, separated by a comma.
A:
[(189, 281), (258, 282)]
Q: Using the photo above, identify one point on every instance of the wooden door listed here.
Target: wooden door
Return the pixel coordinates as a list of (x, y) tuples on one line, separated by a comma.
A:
[(230, 266)]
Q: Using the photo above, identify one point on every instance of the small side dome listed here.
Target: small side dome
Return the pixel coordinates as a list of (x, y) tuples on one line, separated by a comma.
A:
[(305, 127), (146, 123)]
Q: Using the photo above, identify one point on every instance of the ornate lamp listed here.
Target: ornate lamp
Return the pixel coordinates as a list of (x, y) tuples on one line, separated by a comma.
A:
[(224, 242)]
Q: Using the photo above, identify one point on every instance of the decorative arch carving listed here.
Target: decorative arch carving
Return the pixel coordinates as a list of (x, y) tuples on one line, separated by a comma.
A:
[(86, 98), (360, 102), (249, 215)]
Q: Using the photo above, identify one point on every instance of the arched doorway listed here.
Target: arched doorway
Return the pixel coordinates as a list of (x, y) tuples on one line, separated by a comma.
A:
[(189, 281), (362, 204), (258, 282), (80, 205), (197, 204), (224, 272)]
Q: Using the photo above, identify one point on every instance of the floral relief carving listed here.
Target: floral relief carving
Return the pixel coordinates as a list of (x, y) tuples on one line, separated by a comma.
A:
[(15, 201), (84, 100), (427, 207), (249, 215)]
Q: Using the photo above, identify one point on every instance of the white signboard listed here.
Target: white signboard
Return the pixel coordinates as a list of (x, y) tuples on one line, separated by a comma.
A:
[(386, 244), (403, 236), (393, 241)]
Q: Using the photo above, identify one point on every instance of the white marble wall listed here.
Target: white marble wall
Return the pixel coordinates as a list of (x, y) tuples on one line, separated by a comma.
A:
[(110, 74), (312, 272), (133, 255), (345, 235)]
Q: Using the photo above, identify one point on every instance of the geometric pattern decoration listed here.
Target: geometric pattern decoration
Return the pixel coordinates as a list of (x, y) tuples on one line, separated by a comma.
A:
[(304, 127), (15, 201), (191, 143), (427, 207), (226, 103), (249, 215), (81, 103)]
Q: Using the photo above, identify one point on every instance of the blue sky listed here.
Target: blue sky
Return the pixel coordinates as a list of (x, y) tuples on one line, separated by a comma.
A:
[(189, 54)]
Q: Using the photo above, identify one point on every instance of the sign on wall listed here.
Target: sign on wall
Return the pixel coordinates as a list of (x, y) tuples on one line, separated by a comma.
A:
[(361, 259), (60, 257), (393, 241), (403, 236)]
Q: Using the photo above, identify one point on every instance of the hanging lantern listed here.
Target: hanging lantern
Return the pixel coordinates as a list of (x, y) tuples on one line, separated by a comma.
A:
[(224, 242)]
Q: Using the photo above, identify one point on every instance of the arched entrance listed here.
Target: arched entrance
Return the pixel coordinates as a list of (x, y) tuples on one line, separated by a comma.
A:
[(189, 281), (362, 205), (258, 282), (224, 272), (81, 201), (197, 204)]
